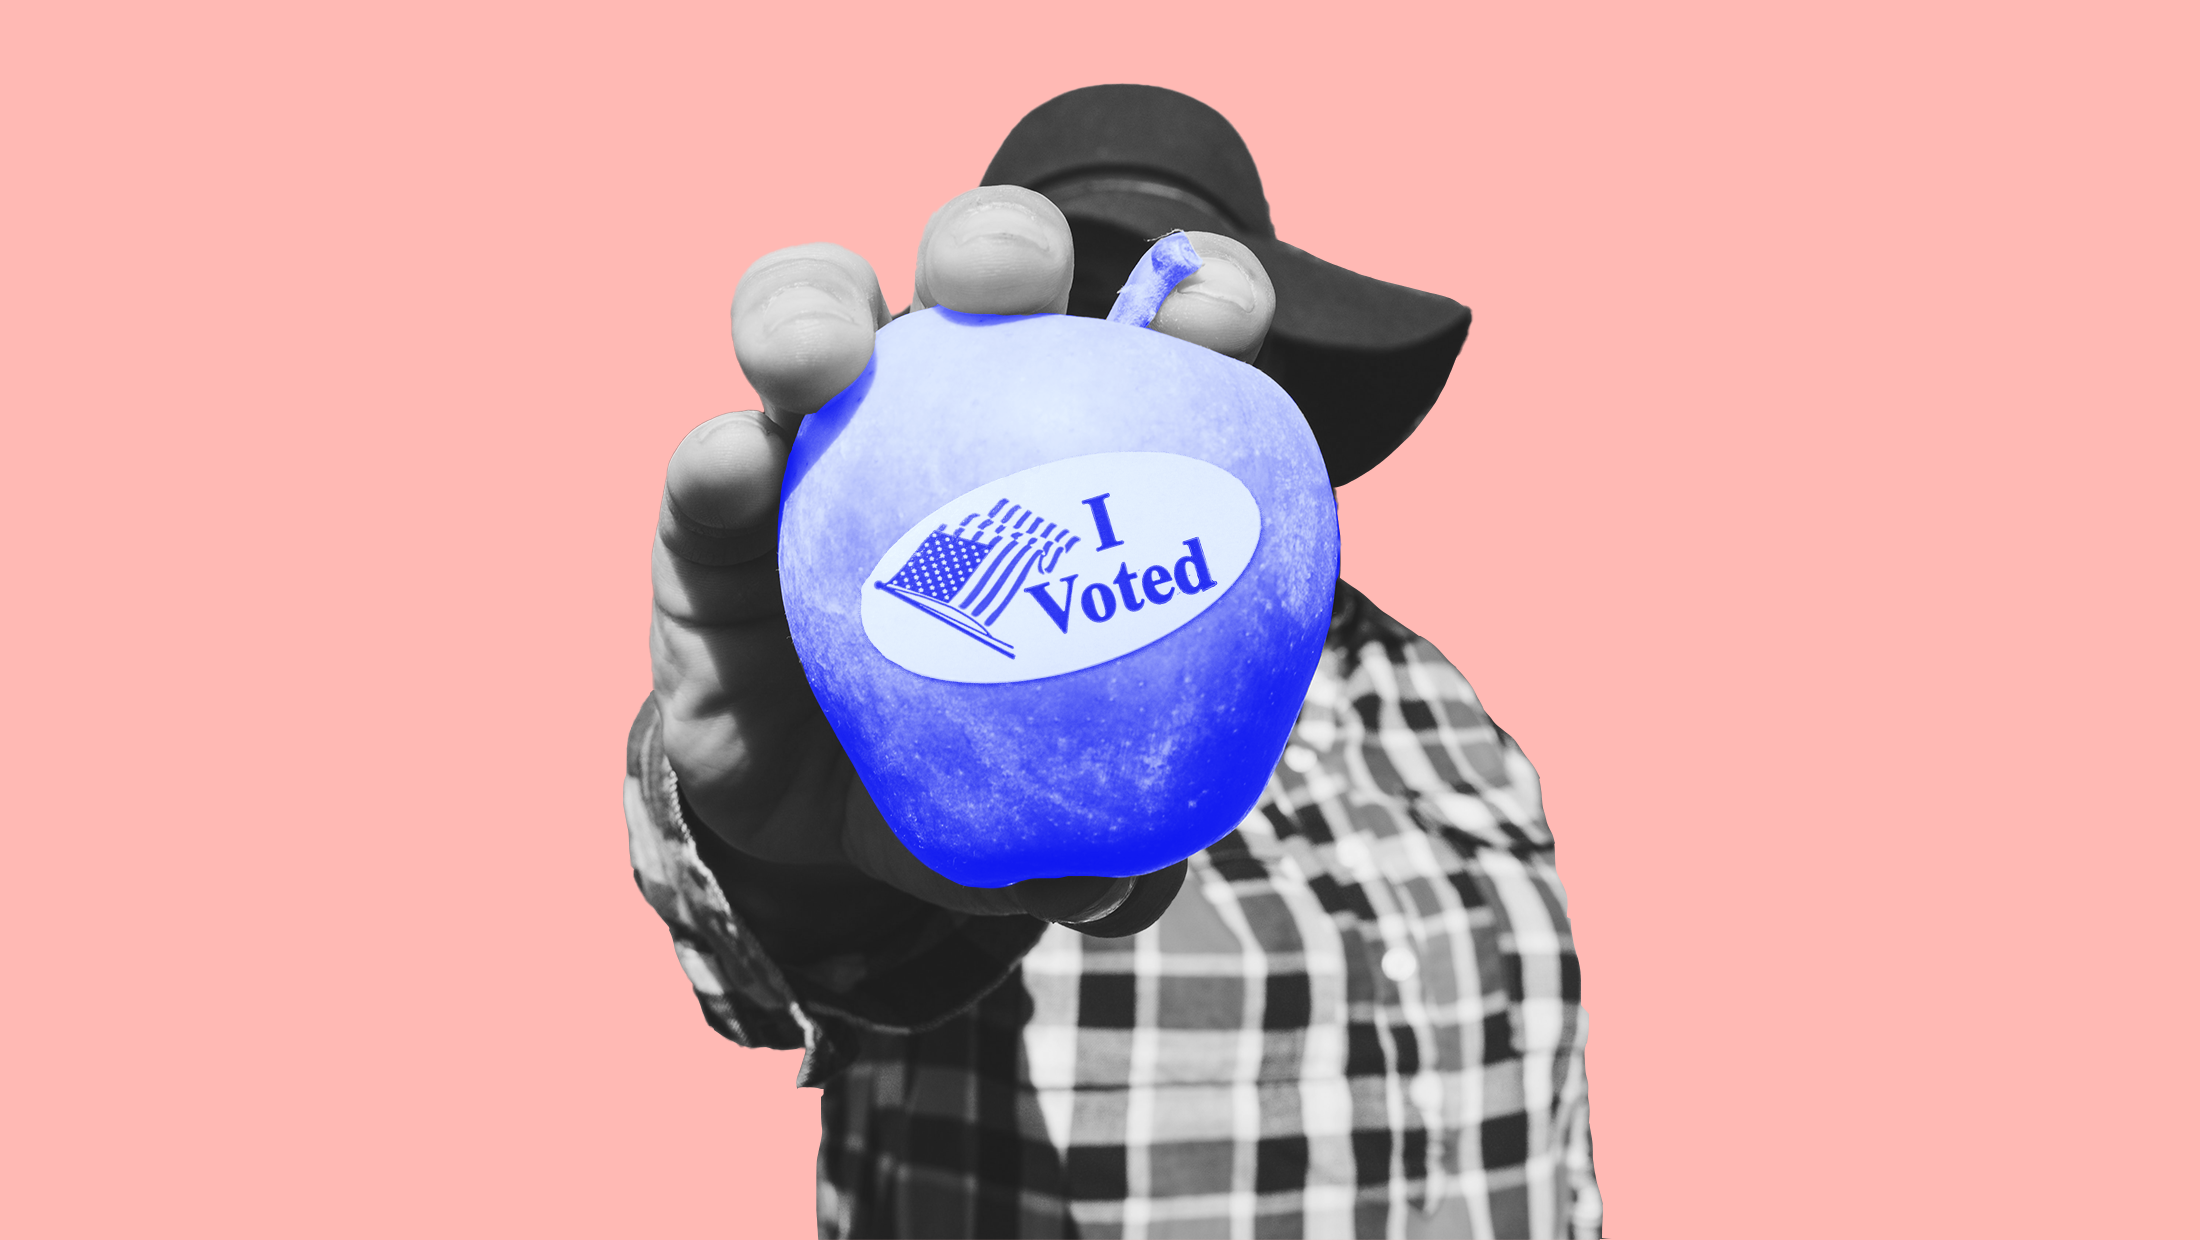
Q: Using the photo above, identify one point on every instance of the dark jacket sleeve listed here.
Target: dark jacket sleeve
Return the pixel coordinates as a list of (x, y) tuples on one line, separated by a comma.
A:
[(924, 973)]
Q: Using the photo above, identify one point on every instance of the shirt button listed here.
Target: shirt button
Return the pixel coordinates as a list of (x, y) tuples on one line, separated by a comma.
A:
[(1352, 853), (1300, 759), (1399, 964)]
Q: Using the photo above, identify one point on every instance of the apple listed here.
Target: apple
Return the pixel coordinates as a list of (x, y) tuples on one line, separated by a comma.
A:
[(1060, 585)]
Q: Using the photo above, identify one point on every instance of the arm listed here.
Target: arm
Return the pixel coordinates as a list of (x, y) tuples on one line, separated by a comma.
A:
[(772, 810)]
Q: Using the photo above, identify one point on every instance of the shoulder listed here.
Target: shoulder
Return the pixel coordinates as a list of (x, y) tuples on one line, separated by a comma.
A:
[(1383, 661), (1417, 731)]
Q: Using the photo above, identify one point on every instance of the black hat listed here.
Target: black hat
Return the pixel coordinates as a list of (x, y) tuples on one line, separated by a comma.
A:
[(1364, 360)]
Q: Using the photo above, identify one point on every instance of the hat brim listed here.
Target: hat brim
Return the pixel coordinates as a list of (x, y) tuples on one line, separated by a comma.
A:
[(1364, 360)]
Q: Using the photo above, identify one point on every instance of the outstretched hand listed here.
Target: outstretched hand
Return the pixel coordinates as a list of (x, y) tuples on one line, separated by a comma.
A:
[(757, 763)]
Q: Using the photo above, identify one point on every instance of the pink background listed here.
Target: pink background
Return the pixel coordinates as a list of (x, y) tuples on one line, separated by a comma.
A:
[(1813, 500)]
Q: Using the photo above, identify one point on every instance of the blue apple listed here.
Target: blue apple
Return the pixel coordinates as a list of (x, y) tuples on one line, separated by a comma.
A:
[(1060, 585)]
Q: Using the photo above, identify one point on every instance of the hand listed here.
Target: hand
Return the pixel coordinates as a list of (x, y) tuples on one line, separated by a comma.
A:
[(756, 760)]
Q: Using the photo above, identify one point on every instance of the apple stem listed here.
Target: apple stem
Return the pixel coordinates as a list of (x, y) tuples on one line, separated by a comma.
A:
[(1158, 271)]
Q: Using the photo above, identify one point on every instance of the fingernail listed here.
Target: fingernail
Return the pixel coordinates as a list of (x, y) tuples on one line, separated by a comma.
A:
[(1117, 896), (1221, 279), (801, 288), (806, 300), (1071, 899), (1011, 222)]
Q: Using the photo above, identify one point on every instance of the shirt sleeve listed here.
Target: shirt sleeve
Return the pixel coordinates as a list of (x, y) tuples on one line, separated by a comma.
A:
[(1584, 1203), (925, 975)]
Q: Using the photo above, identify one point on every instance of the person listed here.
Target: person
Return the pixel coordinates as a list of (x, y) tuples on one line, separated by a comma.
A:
[(1358, 1013)]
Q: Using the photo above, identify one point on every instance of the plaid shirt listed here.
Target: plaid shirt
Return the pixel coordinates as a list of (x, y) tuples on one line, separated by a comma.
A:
[(1364, 1006)]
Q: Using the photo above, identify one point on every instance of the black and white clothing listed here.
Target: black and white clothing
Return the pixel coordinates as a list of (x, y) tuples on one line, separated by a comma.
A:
[(1364, 1004)]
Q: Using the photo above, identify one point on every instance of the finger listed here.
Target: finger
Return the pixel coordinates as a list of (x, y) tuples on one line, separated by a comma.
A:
[(999, 249), (712, 564), (1073, 899), (738, 719), (726, 675), (741, 728), (802, 324), (1226, 305), (723, 483), (1142, 906), (767, 776)]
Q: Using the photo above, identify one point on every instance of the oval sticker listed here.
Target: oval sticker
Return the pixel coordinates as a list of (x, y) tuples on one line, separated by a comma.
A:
[(1060, 567)]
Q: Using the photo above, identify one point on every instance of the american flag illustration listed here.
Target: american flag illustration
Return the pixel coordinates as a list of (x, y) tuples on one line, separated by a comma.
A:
[(966, 577)]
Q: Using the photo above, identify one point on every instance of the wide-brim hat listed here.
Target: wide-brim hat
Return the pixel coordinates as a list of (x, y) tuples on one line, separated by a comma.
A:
[(1363, 359)]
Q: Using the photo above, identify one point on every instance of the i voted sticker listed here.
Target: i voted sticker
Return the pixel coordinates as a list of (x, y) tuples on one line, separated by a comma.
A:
[(1060, 567)]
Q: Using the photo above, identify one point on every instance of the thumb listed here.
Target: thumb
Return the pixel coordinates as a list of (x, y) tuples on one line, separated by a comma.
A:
[(1129, 907)]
